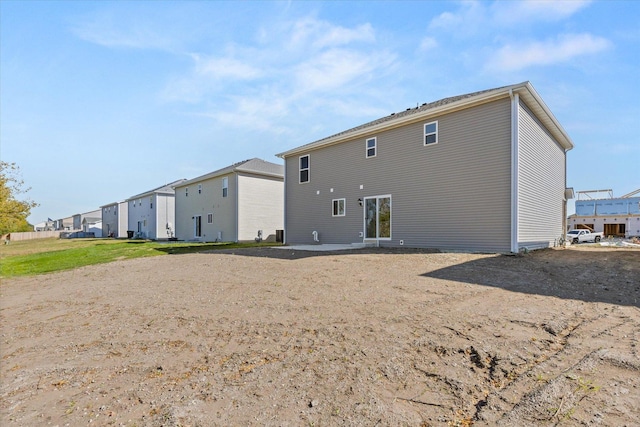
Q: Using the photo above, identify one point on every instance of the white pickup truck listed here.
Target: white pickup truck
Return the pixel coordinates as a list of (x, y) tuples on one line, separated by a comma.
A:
[(579, 236)]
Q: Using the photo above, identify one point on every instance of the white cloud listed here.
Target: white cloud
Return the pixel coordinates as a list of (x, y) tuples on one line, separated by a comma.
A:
[(230, 68), (535, 10), (428, 43), (109, 31), (474, 17), (310, 32), (519, 56), (336, 68), (469, 18)]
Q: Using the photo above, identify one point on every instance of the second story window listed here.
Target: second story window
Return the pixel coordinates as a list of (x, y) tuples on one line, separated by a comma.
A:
[(225, 186), (199, 188), (431, 133), (186, 191), (304, 168), (371, 147)]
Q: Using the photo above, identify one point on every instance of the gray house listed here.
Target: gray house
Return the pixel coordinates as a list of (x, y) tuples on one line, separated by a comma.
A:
[(240, 202), (115, 219), (485, 171)]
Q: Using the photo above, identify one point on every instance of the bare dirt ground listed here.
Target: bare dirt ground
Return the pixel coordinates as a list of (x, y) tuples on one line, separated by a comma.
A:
[(370, 337)]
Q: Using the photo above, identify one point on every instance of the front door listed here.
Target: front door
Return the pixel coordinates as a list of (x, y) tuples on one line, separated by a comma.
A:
[(377, 218)]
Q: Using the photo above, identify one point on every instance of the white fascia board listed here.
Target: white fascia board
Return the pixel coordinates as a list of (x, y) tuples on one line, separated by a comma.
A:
[(535, 102)]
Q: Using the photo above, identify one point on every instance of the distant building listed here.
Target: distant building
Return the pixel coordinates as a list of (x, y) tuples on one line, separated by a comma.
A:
[(78, 218), (115, 219), (151, 214), (241, 202), (613, 216)]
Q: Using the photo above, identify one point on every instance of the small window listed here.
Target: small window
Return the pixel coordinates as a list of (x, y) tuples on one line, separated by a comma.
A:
[(186, 191), (338, 207), (151, 202), (209, 218), (431, 133), (199, 188), (371, 147), (225, 186), (304, 169)]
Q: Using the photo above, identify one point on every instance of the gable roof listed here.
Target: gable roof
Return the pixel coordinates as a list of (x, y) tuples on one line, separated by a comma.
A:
[(253, 166), (447, 105), (163, 189)]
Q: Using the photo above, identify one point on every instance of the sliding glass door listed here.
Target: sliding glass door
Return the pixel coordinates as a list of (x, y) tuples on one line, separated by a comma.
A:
[(377, 217)]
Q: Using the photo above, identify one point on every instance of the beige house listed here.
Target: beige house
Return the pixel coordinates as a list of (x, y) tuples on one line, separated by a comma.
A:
[(242, 202)]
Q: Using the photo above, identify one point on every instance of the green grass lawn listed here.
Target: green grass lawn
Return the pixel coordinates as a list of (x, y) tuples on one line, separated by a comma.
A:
[(24, 258)]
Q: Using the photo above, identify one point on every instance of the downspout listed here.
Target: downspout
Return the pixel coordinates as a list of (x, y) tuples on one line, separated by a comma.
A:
[(515, 102), (284, 212), (237, 215), (564, 206)]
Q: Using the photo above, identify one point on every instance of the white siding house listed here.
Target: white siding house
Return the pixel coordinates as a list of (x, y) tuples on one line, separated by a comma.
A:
[(151, 214), (77, 218), (236, 203), (115, 217)]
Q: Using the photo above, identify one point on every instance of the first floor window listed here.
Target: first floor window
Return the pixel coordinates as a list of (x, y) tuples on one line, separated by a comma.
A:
[(431, 133), (197, 223), (339, 207), (225, 186), (304, 168), (371, 147), (210, 218)]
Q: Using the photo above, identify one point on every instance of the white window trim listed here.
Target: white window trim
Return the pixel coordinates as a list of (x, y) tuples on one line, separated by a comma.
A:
[(344, 209), (210, 216), (225, 186), (424, 137), (375, 147), (308, 169)]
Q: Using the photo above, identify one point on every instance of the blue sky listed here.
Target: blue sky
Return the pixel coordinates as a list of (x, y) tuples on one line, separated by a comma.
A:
[(103, 100)]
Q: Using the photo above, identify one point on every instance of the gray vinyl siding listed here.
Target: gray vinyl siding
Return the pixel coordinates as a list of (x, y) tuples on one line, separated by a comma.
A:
[(451, 195), (541, 183)]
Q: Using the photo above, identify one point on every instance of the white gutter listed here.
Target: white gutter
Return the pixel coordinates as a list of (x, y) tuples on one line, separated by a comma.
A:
[(515, 102), (237, 215), (284, 213)]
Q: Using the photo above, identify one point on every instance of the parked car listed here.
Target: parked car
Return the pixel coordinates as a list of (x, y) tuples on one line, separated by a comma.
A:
[(579, 236)]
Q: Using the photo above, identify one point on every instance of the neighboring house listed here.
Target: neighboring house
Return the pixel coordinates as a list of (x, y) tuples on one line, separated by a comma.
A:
[(483, 171), (63, 224), (115, 219), (45, 225), (616, 217), (77, 218), (92, 225), (235, 203), (151, 214)]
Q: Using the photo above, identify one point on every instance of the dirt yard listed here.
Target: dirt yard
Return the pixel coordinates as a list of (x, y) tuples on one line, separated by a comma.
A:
[(275, 337)]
